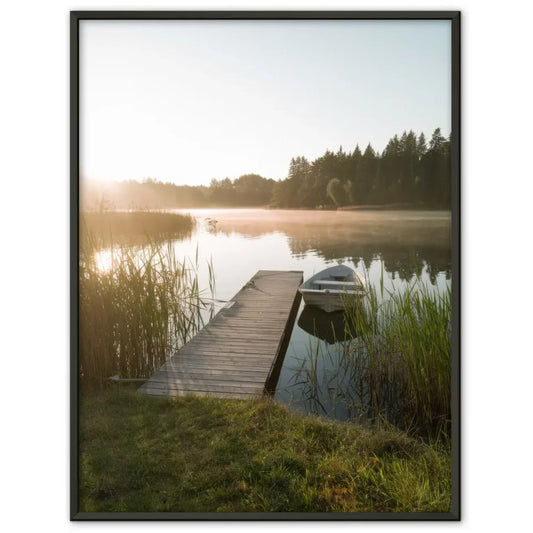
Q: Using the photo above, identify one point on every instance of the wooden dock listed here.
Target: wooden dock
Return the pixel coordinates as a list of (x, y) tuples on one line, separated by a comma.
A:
[(240, 352)]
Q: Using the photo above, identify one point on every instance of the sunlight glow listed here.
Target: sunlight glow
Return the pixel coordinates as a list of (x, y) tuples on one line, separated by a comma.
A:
[(189, 101)]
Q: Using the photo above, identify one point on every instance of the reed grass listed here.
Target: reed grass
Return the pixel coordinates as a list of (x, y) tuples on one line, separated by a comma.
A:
[(135, 227), (397, 368), (136, 311), (403, 350)]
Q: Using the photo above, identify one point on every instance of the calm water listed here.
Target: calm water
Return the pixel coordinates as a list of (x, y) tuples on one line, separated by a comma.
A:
[(397, 245)]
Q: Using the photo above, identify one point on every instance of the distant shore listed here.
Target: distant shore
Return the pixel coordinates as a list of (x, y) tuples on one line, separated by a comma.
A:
[(373, 207), (385, 207)]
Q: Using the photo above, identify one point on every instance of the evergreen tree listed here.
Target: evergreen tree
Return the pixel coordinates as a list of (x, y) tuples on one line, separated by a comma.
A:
[(436, 172), (421, 147), (437, 140), (366, 174)]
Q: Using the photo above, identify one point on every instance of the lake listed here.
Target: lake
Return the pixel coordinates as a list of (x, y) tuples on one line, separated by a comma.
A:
[(393, 246)]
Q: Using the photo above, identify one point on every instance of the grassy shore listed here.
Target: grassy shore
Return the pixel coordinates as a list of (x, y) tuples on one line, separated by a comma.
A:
[(191, 454)]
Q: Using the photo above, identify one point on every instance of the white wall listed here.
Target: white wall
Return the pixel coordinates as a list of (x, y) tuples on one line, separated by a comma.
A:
[(496, 302)]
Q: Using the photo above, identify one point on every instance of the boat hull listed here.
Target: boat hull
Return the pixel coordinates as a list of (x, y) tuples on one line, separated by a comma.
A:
[(327, 301), (330, 289)]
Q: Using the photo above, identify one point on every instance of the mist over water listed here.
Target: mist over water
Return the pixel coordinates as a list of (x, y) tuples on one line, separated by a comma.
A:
[(404, 243)]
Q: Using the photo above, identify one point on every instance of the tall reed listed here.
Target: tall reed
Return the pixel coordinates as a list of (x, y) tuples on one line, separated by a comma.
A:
[(403, 352), (136, 311), (397, 368)]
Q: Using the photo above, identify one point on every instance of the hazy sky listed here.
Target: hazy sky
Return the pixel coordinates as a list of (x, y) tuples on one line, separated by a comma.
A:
[(188, 101)]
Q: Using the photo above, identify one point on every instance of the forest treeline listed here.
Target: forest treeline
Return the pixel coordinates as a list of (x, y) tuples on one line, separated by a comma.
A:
[(410, 171), (250, 190)]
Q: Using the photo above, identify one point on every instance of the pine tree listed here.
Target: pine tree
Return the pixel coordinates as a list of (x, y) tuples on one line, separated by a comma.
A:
[(421, 147), (437, 140)]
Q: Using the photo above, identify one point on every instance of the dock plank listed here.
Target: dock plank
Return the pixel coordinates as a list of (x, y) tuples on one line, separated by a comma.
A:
[(239, 353)]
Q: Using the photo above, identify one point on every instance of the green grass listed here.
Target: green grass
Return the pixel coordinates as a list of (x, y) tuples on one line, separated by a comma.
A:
[(112, 228), (191, 454)]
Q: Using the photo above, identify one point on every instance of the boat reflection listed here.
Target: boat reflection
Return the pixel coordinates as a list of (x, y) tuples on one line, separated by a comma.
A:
[(328, 327)]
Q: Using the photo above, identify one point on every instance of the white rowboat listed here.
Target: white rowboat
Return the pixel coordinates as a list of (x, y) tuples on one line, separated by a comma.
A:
[(329, 288)]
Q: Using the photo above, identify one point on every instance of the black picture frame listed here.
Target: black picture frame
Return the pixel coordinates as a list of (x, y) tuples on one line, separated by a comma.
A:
[(455, 18)]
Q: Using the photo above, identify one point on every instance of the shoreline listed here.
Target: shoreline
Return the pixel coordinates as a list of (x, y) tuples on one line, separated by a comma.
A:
[(374, 207)]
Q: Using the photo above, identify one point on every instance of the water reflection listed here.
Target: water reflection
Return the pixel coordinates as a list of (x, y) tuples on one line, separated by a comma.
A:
[(409, 243), (328, 327)]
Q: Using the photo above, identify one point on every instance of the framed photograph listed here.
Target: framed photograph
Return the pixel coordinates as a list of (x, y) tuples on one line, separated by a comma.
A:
[(265, 286)]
